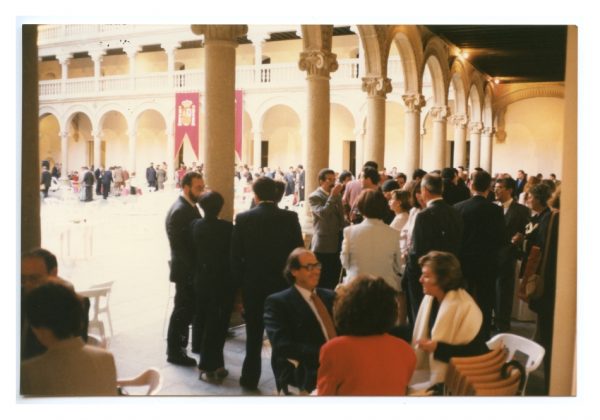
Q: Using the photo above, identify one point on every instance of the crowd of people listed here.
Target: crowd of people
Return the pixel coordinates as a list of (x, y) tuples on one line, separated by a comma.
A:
[(399, 276)]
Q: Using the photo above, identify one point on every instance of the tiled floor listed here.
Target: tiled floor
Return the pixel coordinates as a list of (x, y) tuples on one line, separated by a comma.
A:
[(129, 246)]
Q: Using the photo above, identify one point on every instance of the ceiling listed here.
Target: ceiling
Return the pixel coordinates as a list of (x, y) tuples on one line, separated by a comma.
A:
[(511, 53)]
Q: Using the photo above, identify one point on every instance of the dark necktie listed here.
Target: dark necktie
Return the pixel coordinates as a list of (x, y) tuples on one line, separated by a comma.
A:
[(324, 315)]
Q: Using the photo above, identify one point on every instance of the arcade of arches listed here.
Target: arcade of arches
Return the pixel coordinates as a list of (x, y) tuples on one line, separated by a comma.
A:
[(395, 94)]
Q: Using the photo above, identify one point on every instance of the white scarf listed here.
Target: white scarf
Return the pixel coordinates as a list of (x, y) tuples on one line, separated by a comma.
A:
[(458, 321)]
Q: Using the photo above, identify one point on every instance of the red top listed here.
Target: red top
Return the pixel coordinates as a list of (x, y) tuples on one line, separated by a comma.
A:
[(372, 365)]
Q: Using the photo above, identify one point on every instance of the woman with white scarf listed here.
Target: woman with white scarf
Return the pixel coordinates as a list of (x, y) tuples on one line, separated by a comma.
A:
[(448, 323)]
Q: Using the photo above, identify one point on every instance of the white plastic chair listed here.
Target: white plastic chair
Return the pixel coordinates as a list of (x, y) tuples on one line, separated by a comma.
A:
[(533, 351), (150, 377), (99, 295)]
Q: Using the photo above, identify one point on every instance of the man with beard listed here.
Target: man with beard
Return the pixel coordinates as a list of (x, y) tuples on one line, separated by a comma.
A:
[(178, 224)]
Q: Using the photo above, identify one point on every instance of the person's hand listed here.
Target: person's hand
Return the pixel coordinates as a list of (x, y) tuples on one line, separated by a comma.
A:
[(337, 189), (427, 346), (517, 238)]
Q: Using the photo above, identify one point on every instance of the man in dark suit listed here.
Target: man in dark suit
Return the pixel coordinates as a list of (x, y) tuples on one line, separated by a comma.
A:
[(106, 181), (262, 239), (46, 180), (98, 175), (483, 235), (213, 285), (437, 227), (151, 176), (295, 326), (516, 217), (328, 222), (301, 182), (87, 183), (521, 181), (178, 225)]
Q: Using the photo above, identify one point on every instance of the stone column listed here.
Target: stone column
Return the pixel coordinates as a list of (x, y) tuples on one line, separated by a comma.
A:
[(486, 149), (132, 146), (360, 142), (257, 40), (170, 51), (63, 59), (97, 149), (64, 156), (374, 146), (412, 118), (318, 64), (475, 135), (131, 52), (257, 147), (30, 158), (438, 121), (97, 59), (460, 139), (220, 42)]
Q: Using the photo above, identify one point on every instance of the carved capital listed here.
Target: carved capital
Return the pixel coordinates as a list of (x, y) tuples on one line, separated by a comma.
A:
[(459, 120), (377, 86), (131, 50), (488, 131), (228, 33), (414, 102), (63, 58), (318, 62), (170, 47), (63, 134), (475, 127), (439, 113)]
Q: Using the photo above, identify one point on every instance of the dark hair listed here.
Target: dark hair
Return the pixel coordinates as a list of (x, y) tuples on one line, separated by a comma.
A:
[(187, 178), (418, 173), (324, 172), (372, 174), (507, 183), (372, 204), (48, 257), (56, 307), (541, 192), (550, 184), (390, 185), (211, 203), (264, 188), (401, 175), (554, 201), (481, 181), (344, 175), (433, 183), (279, 190), (293, 263), (449, 173), (366, 306), (371, 164), (416, 189), (446, 268), (404, 197)]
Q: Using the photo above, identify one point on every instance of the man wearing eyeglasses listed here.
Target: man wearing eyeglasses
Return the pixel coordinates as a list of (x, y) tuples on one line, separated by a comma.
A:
[(299, 321)]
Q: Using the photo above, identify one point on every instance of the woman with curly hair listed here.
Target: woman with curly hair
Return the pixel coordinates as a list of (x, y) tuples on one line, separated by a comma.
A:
[(364, 359)]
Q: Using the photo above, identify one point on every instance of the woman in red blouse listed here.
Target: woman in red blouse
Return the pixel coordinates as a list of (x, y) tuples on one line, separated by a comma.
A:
[(364, 359)]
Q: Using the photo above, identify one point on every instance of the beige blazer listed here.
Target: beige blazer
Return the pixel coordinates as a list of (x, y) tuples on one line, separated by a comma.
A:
[(70, 368)]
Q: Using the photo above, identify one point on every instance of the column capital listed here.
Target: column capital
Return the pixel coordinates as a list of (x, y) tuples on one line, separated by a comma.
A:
[(257, 38), (96, 55), (377, 86), (170, 47), (228, 33), (63, 134), (63, 58), (131, 50), (488, 131), (459, 120), (475, 127), (414, 102), (318, 62), (97, 134), (439, 113)]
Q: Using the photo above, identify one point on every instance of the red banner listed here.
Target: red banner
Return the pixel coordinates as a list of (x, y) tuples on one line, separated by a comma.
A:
[(239, 116), (187, 120)]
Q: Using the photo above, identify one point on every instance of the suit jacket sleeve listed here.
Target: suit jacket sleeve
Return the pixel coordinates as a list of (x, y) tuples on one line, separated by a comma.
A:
[(331, 206), (237, 253), (345, 253), (296, 230), (279, 327)]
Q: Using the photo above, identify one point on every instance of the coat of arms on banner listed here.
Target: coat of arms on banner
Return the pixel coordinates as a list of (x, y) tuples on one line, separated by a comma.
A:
[(186, 114)]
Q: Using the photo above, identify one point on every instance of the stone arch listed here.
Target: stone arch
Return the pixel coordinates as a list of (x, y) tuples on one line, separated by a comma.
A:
[(410, 47), (475, 103), (376, 45), (49, 143), (80, 142), (436, 53), (261, 110), (150, 128), (488, 100), (74, 109), (281, 127), (110, 107), (152, 106), (114, 145), (342, 128), (459, 81), (549, 91)]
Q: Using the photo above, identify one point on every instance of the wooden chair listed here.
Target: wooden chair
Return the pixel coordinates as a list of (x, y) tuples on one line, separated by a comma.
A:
[(460, 367)]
